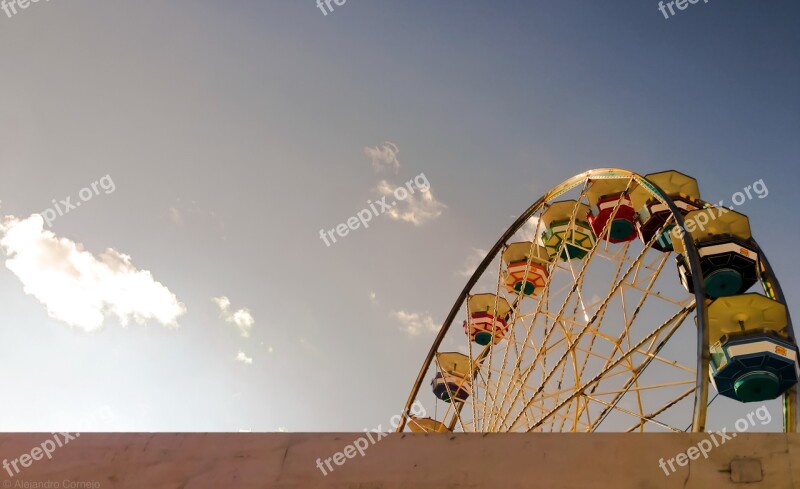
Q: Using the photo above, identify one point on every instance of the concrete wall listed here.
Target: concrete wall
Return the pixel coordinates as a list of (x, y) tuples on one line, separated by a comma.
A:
[(395, 461)]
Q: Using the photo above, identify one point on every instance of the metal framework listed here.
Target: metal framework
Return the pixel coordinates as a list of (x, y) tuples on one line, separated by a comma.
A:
[(567, 370)]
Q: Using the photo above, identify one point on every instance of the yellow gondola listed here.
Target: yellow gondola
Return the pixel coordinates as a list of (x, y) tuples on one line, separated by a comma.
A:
[(559, 228), (453, 382), (728, 257), (426, 425), (526, 265), (652, 214), (609, 198), (488, 318), (753, 357)]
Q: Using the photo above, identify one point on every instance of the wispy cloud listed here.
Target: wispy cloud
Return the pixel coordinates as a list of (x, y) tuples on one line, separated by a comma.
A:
[(79, 288), (414, 323), (530, 231), (241, 357), (241, 318), (384, 157), (417, 208), (175, 216), (472, 261), (190, 216)]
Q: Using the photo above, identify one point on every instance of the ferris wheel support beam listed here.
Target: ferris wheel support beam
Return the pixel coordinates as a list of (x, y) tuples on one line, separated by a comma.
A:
[(791, 407), (703, 341)]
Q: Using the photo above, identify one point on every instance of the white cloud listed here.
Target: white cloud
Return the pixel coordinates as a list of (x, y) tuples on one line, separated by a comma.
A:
[(474, 259), (415, 323), (528, 231), (373, 297), (241, 357), (241, 318), (417, 208), (222, 302), (384, 157), (175, 216), (79, 288)]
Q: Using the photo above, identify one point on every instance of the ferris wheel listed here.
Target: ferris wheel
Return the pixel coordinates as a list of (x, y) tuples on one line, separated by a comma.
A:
[(616, 302)]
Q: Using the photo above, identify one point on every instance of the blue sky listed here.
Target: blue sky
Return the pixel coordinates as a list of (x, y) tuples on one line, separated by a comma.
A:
[(235, 131)]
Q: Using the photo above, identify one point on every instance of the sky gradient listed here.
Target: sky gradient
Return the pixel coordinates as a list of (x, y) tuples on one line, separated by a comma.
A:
[(235, 131)]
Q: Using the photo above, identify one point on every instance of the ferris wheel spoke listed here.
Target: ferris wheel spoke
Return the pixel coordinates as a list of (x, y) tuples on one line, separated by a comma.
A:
[(573, 289), (624, 335), (561, 248), (678, 321), (494, 325), (603, 306), (645, 387), (614, 280), (600, 375), (631, 413), (651, 417)]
